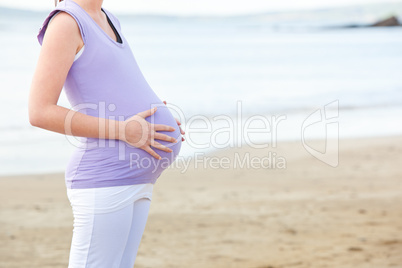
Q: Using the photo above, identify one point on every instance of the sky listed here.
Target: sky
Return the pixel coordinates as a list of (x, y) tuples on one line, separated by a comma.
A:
[(200, 7)]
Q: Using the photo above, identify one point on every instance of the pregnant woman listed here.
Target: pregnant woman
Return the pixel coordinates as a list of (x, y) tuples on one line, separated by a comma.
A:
[(127, 134)]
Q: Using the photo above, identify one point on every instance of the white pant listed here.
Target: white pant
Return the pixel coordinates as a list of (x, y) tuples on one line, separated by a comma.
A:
[(108, 225)]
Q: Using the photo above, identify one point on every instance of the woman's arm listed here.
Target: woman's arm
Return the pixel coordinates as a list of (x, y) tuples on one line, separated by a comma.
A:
[(59, 46)]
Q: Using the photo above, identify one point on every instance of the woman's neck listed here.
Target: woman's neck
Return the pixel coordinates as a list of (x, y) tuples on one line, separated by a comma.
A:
[(91, 6)]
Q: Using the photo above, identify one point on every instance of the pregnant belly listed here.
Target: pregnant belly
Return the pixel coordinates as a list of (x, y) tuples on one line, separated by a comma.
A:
[(106, 159), (139, 159)]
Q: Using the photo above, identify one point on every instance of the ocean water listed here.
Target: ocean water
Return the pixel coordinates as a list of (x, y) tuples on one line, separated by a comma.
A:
[(213, 70)]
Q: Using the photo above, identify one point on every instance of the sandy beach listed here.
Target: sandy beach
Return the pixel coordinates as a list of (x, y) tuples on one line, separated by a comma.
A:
[(308, 214)]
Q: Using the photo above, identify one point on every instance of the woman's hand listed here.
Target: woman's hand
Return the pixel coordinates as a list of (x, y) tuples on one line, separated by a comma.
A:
[(179, 124), (139, 133)]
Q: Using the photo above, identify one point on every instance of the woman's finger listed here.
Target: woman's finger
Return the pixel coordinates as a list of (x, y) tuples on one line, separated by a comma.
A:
[(178, 122), (149, 150), (160, 127), (162, 147), (163, 137), (147, 113)]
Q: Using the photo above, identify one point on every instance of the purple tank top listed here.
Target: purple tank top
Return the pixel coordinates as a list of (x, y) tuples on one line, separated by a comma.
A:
[(105, 81)]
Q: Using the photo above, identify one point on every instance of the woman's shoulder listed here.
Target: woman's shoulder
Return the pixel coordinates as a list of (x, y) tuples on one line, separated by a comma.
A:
[(68, 18), (65, 24)]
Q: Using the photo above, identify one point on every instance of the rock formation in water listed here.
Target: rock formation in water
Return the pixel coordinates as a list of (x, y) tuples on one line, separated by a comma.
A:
[(391, 21)]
